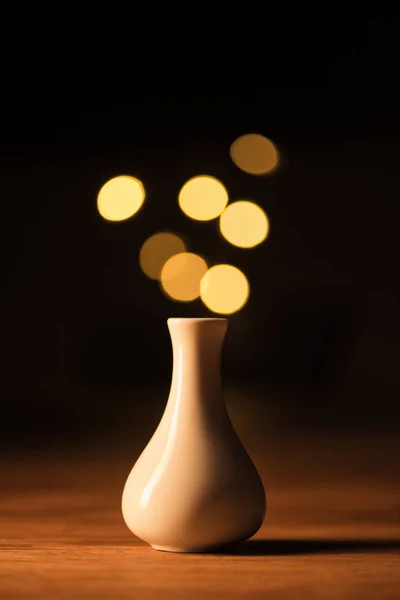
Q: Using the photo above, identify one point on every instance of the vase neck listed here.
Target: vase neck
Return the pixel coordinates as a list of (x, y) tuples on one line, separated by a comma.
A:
[(197, 345)]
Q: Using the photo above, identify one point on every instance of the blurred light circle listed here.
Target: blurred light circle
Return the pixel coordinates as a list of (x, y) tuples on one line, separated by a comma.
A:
[(224, 289), (120, 198), (244, 224), (254, 154), (203, 198), (156, 250), (181, 276)]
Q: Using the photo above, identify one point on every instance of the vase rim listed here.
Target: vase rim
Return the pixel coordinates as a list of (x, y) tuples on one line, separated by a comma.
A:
[(195, 319)]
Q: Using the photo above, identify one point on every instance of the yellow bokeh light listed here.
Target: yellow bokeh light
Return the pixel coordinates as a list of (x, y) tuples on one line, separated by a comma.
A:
[(244, 224), (181, 276), (156, 250), (120, 198), (255, 154), (224, 289), (203, 198)]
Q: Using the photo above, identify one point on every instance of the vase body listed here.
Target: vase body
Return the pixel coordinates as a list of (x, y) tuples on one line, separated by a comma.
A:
[(194, 487)]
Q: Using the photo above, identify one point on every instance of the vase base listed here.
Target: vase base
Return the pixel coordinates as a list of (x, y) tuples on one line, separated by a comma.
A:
[(170, 549), (206, 550)]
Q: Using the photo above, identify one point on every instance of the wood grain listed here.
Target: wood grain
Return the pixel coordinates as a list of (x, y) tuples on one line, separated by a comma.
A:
[(62, 536)]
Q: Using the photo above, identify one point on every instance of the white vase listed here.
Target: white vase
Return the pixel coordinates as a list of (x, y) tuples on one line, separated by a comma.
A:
[(194, 487)]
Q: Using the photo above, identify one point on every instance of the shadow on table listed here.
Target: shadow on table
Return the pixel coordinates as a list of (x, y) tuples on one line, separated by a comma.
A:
[(323, 546), (262, 547)]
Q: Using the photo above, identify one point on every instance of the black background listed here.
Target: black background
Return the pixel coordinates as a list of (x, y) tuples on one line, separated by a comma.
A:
[(86, 349)]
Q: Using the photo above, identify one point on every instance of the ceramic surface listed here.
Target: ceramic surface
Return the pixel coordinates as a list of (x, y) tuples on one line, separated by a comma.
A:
[(194, 487)]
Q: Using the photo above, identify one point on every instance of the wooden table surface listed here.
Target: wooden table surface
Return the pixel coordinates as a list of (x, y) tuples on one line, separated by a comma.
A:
[(62, 536)]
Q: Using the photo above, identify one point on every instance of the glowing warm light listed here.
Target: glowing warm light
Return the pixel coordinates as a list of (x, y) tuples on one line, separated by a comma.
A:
[(203, 198), (224, 289), (255, 154), (181, 276), (244, 224), (156, 250), (120, 198)]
